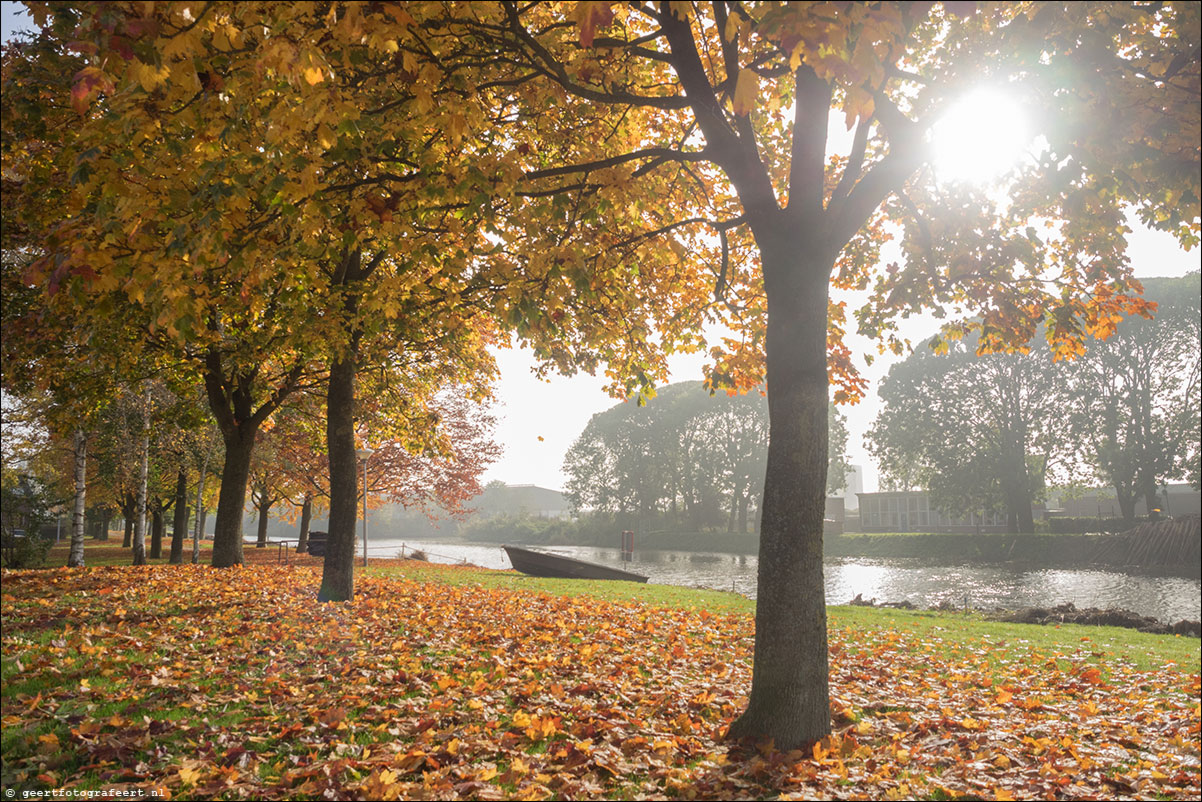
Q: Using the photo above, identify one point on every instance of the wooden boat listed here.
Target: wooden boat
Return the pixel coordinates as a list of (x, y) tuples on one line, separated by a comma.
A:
[(537, 563), (317, 543)]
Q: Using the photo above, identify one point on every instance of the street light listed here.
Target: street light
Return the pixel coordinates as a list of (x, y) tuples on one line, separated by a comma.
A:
[(363, 454)]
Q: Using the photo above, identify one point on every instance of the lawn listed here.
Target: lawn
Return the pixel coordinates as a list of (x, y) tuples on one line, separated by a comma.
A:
[(453, 682)]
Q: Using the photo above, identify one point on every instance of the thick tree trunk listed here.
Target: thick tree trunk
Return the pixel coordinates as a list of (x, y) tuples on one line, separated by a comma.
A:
[(128, 511), (227, 534), (143, 477), (1152, 502), (264, 508), (1126, 500), (337, 580), (78, 526), (179, 527), (106, 519), (156, 531), (789, 697), (302, 542)]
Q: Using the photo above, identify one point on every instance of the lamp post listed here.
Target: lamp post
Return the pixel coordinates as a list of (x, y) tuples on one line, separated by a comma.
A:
[(363, 454)]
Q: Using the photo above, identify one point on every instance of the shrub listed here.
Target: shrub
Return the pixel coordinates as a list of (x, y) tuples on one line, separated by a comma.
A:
[(23, 551)]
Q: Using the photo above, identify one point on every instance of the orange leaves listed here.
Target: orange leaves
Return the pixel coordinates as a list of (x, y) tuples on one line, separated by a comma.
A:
[(87, 83), (425, 688), (590, 17)]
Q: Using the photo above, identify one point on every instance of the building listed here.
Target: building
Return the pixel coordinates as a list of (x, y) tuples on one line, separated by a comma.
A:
[(1175, 500), (539, 502), (855, 486), (911, 511)]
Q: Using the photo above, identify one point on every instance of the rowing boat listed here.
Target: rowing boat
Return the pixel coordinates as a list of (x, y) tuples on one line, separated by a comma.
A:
[(537, 563)]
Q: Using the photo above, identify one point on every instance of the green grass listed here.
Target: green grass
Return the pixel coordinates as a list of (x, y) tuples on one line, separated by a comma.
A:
[(967, 534), (969, 632)]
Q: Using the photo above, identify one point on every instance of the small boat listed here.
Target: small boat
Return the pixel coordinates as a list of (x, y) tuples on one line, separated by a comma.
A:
[(537, 563), (317, 543)]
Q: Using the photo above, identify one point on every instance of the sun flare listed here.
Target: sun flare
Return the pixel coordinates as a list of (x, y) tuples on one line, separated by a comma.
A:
[(980, 138)]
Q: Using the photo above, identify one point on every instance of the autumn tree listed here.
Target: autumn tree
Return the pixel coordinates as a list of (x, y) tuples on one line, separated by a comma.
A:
[(622, 103), (341, 161)]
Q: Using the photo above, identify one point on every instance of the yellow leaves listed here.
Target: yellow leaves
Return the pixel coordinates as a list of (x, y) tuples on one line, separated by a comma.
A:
[(148, 76), (313, 75), (189, 775), (747, 89), (542, 727)]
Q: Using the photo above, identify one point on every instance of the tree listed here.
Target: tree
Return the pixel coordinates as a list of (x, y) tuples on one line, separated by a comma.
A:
[(1134, 401), (732, 100), (697, 458), (645, 158), (323, 225), (980, 433)]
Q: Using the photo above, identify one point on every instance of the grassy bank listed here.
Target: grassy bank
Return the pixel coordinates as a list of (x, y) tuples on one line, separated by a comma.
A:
[(455, 682)]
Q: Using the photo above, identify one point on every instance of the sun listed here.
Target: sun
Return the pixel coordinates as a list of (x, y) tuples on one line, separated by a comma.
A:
[(980, 138)]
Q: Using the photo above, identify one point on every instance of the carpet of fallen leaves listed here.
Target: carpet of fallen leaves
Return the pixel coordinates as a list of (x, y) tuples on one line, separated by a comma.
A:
[(204, 683)]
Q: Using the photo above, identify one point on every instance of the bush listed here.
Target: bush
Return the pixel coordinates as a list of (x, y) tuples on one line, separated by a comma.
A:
[(22, 551)]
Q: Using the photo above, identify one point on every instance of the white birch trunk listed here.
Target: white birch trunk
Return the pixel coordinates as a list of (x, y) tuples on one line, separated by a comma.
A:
[(75, 559)]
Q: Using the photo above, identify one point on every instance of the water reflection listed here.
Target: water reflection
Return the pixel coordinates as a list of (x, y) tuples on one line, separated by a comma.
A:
[(1168, 598)]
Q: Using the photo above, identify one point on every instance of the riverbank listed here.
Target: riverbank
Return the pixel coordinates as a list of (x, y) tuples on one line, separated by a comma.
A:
[(458, 682), (1049, 550)]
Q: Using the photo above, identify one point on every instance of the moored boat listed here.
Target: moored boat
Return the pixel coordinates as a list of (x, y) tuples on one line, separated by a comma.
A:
[(537, 563)]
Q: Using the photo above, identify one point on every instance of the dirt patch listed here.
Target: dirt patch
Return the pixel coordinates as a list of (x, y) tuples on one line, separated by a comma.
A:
[(1068, 613)]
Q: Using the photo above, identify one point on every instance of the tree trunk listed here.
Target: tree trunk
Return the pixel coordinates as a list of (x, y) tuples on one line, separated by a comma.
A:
[(1151, 499), (790, 701), (143, 476), (227, 534), (264, 508), (743, 511), (337, 579), (198, 532), (1126, 499), (106, 518), (156, 531), (302, 542), (75, 558), (179, 527), (128, 510)]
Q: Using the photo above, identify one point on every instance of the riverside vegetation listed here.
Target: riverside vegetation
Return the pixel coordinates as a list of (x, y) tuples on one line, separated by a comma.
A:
[(455, 682)]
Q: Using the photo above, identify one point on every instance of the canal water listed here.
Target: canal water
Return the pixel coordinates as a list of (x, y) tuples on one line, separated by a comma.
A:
[(986, 586)]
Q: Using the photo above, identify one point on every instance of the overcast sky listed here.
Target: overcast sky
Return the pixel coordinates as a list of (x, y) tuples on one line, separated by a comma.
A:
[(537, 421)]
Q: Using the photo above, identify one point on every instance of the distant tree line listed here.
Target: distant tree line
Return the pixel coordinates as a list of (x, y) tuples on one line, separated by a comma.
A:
[(989, 433), (687, 458)]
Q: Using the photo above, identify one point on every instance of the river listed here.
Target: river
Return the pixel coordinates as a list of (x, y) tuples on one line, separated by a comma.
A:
[(986, 586)]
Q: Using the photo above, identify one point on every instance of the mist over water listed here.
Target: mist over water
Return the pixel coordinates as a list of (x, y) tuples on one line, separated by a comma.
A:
[(1009, 585)]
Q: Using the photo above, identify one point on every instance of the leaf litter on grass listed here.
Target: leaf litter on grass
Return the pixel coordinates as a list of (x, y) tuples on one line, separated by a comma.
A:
[(237, 683)]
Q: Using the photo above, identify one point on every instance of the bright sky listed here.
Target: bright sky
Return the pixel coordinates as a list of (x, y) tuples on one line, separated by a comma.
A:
[(537, 421)]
